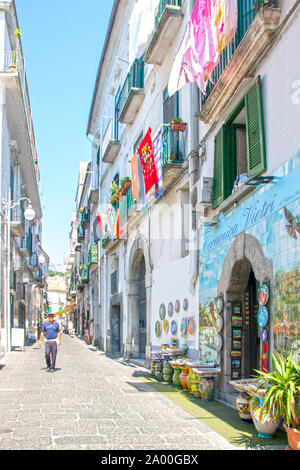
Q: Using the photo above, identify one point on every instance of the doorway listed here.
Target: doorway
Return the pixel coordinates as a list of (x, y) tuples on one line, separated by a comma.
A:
[(116, 329), (142, 309)]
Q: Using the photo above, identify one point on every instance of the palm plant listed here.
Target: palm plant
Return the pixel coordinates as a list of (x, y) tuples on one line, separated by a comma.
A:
[(283, 388)]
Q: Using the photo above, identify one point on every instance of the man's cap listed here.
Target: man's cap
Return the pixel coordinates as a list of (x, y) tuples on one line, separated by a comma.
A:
[(50, 314)]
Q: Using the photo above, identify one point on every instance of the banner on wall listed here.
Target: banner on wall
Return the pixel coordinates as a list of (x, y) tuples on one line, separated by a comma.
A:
[(134, 177), (146, 154), (283, 191)]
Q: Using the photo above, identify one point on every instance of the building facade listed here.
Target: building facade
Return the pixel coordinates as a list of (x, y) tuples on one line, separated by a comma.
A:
[(23, 261), (206, 258)]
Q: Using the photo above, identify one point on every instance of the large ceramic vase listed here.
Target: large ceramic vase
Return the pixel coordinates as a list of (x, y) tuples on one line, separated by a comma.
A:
[(189, 379), (159, 370), (176, 376), (167, 372), (243, 407), (195, 380), (206, 388), (266, 423), (183, 376)]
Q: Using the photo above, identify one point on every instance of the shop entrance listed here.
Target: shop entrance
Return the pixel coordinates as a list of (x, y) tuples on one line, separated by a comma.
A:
[(116, 329)]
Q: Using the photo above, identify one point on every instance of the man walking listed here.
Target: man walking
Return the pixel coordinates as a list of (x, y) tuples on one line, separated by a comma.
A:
[(51, 331)]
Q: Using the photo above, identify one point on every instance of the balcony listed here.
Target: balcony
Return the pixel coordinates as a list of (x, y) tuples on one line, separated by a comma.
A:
[(93, 257), (167, 23), (34, 262), (93, 195), (132, 94), (256, 28), (17, 222), (110, 144), (25, 247), (12, 74), (84, 274), (80, 236), (173, 163), (85, 219)]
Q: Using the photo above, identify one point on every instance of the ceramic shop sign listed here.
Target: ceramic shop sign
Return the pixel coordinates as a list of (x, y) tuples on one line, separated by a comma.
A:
[(265, 202)]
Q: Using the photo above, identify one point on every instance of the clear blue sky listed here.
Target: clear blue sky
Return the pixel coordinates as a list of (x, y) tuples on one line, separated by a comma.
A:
[(62, 42)]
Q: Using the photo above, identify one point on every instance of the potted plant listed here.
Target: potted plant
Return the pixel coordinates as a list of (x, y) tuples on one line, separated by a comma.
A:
[(177, 125), (125, 185), (283, 394), (13, 64)]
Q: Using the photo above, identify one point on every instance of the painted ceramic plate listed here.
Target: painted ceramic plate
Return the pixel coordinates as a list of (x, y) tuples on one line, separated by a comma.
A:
[(183, 327), (264, 336), (191, 325), (170, 309), (162, 311), (174, 327), (166, 326), (158, 329), (263, 294), (185, 304), (177, 306), (218, 342), (219, 304), (219, 323), (262, 316)]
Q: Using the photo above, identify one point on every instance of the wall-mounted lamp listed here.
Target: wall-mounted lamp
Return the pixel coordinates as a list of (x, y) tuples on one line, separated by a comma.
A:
[(261, 180)]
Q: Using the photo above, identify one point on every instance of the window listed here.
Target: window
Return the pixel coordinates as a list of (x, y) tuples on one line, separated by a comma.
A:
[(117, 114), (240, 146)]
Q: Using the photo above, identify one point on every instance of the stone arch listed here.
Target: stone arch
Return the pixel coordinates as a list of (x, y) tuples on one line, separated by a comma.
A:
[(139, 250), (244, 254)]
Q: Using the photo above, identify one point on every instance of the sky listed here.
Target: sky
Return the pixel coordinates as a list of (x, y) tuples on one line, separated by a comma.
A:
[(62, 41)]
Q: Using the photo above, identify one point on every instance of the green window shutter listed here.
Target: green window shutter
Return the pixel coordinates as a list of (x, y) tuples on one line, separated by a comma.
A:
[(256, 152), (218, 187)]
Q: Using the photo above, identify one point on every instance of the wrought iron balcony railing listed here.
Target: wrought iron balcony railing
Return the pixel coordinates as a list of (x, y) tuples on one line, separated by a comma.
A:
[(162, 5), (171, 144), (134, 80)]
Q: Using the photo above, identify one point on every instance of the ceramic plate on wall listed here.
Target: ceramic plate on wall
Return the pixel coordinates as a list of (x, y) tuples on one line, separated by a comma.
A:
[(219, 323), (166, 326), (162, 311), (263, 294), (183, 327), (177, 306), (219, 304), (191, 325), (262, 316), (174, 327), (170, 309), (185, 304), (218, 342), (158, 329)]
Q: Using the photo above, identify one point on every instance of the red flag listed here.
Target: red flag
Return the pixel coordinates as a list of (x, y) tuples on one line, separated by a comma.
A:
[(99, 221), (147, 161)]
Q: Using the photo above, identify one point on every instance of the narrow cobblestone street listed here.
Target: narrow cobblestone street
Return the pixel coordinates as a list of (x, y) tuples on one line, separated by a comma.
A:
[(90, 402)]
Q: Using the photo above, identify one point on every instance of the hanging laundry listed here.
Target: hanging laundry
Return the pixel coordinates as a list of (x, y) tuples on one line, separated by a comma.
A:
[(141, 27), (134, 177), (157, 150), (147, 161), (212, 26), (116, 231)]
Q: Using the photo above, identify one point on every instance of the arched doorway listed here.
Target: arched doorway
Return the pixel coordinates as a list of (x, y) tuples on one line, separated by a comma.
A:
[(138, 290), (244, 269)]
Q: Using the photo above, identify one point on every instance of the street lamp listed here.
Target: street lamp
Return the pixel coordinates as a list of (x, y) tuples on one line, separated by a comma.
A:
[(29, 214)]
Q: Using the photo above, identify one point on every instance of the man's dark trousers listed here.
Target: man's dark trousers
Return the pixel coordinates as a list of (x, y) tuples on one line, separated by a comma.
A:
[(50, 353)]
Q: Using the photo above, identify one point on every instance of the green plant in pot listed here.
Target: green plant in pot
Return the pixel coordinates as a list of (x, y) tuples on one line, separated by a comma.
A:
[(177, 125), (125, 184), (283, 394)]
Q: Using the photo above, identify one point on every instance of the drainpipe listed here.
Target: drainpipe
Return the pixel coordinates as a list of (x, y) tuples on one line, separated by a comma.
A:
[(193, 160)]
